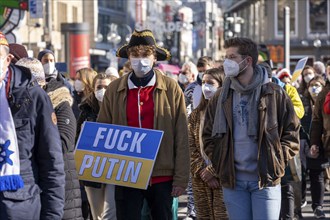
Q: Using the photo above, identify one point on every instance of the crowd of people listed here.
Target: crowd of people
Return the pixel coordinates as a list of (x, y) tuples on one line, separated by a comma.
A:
[(240, 138)]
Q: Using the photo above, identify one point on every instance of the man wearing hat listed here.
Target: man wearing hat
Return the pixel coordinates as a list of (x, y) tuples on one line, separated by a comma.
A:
[(152, 101), (31, 162)]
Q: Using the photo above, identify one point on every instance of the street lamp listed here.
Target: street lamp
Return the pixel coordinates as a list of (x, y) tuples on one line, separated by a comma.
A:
[(129, 32), (98, 38), (114, 38), (317, 44), (113, 35), (236, 22), (36, 25)]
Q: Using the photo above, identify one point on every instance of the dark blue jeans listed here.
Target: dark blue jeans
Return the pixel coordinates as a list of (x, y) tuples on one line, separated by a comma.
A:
[(316, 177), (129, 201)]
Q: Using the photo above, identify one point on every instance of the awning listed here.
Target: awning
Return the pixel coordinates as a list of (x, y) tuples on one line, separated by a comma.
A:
[(169, 68)]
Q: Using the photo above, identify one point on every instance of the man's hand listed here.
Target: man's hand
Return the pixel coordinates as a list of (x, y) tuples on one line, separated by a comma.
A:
[(314, 151), (177, 191)]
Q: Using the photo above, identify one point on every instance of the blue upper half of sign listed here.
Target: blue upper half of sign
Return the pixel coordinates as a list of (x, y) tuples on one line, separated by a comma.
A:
[(121, 140), (301, 64)]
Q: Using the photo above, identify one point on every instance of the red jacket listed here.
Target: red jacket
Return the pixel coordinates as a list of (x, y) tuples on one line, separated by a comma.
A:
[(326, 105)]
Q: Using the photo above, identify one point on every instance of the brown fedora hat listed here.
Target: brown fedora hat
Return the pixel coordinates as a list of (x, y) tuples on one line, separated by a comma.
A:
[(144, 37)]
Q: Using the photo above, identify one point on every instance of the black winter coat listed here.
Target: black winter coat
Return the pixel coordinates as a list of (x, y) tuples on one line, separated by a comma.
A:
[(89, 111), (66, 121), (41, 160)]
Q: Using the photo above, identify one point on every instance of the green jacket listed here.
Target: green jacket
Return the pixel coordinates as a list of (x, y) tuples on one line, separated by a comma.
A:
[(278, 140), (169, 116)]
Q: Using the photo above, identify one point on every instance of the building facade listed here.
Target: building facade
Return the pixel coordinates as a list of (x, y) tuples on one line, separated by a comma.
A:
[(263, 21), (39, 33)]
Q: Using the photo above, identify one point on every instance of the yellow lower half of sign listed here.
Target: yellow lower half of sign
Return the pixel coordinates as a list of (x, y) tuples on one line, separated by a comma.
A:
[(113, 169), (295, 75)]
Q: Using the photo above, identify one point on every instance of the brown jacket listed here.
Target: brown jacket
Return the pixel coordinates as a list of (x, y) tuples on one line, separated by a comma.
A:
[(278, 137), (197, 162), (320, 131), (169, 116)]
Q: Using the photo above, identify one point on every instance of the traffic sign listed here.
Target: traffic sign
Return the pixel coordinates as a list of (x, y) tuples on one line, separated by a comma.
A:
[(36, 8)]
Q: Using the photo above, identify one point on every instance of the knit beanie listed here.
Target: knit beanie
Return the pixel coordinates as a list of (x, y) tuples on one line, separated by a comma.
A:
[(35, 67), (44, 52)]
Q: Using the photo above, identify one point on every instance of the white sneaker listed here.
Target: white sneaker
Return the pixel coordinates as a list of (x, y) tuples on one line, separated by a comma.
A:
[(304, 204)]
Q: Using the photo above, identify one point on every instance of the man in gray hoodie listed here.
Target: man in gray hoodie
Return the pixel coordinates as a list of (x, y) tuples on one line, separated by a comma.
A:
[(250, 133)]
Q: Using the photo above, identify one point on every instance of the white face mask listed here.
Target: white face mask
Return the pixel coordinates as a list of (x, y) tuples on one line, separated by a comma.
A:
[(79, 85), (231, 68), (49, 69), (99, 94), (141, 66), (208, 90), (183, 79), (314, 90), (308, 78), (2, 71)]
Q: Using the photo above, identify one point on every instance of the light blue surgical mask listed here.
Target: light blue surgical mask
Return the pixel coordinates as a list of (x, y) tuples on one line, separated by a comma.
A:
[(141, 66), (183, 79)]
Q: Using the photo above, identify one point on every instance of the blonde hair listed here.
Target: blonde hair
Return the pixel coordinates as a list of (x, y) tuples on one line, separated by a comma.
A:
[(87, 76), (102, 76)]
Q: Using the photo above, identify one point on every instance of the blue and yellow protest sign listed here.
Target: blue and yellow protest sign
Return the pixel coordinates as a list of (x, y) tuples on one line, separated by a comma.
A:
[(118, 155), (299, 68)]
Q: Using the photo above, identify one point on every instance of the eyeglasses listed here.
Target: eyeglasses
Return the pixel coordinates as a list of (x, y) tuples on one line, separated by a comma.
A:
[(183, 72)]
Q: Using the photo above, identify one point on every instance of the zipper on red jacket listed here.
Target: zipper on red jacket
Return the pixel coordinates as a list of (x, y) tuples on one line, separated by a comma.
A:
[(139, 107)]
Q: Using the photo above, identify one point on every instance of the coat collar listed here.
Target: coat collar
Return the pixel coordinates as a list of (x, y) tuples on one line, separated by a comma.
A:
[(160, 81)]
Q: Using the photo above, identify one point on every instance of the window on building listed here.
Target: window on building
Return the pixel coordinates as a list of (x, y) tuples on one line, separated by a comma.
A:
[(62, 11), (112, 4), (74, 14), (318, 16), (280, 15)]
